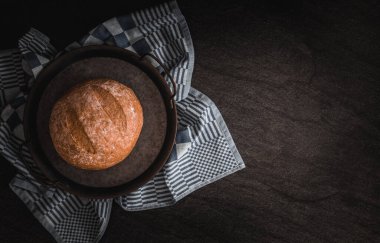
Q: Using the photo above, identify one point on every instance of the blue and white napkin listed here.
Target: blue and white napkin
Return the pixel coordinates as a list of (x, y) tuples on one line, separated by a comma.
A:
[(204, 150)]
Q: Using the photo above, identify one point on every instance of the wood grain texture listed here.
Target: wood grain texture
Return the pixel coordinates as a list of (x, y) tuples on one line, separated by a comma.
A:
[(298, 85)]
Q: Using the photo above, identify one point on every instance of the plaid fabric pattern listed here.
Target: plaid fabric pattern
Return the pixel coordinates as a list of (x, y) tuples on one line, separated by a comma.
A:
[(212, 155), (161, 31), (204, 150), (12, 79)]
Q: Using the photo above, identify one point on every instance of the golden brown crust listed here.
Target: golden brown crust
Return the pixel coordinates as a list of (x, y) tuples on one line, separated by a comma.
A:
[(96, 124)]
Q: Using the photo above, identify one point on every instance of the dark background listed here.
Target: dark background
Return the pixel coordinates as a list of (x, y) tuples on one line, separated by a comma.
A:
[(298, 85)]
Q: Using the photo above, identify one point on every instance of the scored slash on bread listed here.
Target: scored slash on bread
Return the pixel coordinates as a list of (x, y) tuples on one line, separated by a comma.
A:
[(96, 124)]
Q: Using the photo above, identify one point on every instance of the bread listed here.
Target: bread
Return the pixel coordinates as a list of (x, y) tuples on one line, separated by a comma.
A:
[(96, 124)]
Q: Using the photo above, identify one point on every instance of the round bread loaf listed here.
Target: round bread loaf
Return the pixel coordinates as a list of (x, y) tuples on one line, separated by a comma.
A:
[(96, 124)]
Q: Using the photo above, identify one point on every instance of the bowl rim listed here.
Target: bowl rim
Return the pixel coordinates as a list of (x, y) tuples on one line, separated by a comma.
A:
[(50, 175)]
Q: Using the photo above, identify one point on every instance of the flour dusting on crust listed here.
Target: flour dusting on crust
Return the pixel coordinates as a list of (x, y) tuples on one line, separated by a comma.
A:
[(96, 124)]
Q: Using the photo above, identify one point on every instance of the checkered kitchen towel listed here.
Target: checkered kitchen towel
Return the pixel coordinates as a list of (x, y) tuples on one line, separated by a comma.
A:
[(204, 150)]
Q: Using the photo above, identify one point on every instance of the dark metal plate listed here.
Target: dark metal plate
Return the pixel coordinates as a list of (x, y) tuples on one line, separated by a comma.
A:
[(154, 144)]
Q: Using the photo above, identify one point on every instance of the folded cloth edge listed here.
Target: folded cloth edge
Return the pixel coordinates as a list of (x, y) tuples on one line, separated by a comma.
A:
[(219, 119)]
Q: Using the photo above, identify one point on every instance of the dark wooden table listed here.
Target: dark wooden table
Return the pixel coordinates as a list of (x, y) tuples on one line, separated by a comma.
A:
[(298, 84)]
